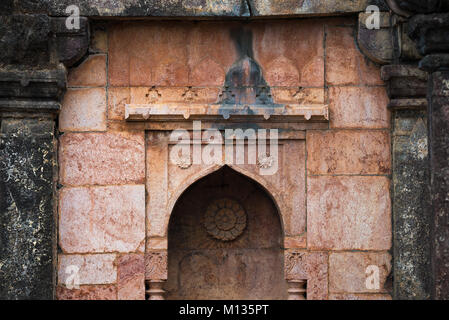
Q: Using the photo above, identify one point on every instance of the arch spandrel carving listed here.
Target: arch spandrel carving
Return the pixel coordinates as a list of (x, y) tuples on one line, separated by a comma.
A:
[(166, 182)]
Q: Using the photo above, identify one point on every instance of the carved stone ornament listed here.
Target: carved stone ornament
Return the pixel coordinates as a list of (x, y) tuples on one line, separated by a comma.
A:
[(265, 162), (156, 265), (293, 261), (225, 219), (183, 162)]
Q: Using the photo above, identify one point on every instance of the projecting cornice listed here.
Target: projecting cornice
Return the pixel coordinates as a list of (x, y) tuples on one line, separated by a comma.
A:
[(194, 8)]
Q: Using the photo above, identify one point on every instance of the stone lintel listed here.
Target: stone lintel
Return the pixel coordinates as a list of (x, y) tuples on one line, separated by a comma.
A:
[(199, 9)]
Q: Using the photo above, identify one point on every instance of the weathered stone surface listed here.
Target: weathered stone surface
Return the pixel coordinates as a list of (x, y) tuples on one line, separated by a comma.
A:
[(102, 158), (70, 44), (131, 277), (312, 266), (102, 219), (98, 38), (25, 40), (348, 152), (376, 43), (435, 62), (348, 271), (90, 73), (430, 32), (188, 94), (27, 222), (345, 65), (406, 7), (92, 269), (411, 206), (45, 84), (348, 212), (358, 296), (295, 242), (439, 167), (88, 292), (301, 7), (206, 51), (138, 8), (299, 95), (117, 99), (83, 110), (405, 81), (358, 107), (191, 8), (297, 60)]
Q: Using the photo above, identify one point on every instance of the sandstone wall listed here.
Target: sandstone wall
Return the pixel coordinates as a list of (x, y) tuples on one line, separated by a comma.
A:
[(102, 157)]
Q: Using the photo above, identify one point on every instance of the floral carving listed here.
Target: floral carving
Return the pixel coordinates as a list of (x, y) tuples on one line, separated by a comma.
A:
[(152, 95), (295, 265), (225, 219), (156, 265)]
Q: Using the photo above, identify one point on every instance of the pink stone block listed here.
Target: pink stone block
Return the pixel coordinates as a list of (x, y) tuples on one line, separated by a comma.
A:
[(317, 269), (351, 272), (83, 110), (359, 296), (131, 277), (89, 269), (90, 73), (117, 99), (345, 64), (102, 219), (348, 152), (102, 158), (312, 266), (348, 213), (359, 107), (89, 292)]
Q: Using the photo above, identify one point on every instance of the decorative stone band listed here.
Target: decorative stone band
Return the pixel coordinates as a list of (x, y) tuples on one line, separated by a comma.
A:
[(294, 265), (406, 86), (174, 112), (155, 274), (297, 289)]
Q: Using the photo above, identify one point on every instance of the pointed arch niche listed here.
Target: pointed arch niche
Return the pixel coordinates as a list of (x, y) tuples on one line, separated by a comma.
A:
[(169, 183)]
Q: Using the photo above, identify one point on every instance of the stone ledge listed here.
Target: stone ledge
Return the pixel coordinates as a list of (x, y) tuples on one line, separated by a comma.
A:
[(35, 84), (168, 112)]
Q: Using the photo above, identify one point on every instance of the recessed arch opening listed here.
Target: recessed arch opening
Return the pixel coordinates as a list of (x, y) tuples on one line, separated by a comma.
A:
[(225, 241)]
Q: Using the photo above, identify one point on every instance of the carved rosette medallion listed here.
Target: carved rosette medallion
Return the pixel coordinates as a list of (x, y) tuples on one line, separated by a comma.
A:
[(183, 162), (225, 219)]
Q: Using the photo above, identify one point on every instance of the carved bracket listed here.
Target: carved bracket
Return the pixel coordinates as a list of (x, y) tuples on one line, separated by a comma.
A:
[(387, 43), (71, 44)]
